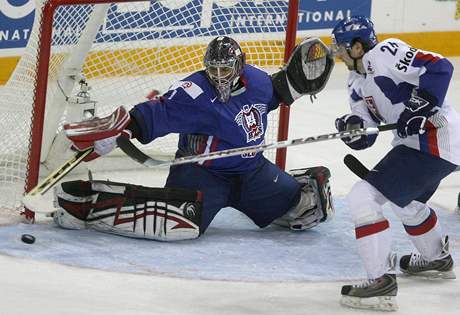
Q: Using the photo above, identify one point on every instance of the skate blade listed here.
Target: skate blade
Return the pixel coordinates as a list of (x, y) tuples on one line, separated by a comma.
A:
[(376, 303), (433, 275)]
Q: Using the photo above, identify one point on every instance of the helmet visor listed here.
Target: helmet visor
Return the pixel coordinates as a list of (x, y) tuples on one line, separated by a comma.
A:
[(220, 74), (337, 48)]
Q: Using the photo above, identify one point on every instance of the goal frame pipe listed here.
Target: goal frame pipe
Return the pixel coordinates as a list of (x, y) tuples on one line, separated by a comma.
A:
[(44, 53), (38, 109), (283, 123), (67, 77)]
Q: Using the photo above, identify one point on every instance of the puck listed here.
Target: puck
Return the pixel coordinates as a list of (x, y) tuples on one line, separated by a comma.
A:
[(27, 238)]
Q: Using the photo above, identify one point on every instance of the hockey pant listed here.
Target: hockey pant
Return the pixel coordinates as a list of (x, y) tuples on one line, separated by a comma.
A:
[(164, 214), (373, 233)]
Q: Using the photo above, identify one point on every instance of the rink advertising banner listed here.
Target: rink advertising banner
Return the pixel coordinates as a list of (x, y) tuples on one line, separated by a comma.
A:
[(235, 16), (199, 17), (16, 19), (321, 14), (457, 8), (457, 11), (170, 19)]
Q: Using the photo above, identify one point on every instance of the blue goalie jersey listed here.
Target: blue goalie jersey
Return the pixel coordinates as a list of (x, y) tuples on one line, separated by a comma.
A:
[(205, 125)]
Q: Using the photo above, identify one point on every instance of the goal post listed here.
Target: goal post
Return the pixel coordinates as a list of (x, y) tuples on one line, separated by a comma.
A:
[(290, 41), (123, 50)]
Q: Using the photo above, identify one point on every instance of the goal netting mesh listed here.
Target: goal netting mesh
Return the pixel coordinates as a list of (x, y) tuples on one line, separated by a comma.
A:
[(124, 51)]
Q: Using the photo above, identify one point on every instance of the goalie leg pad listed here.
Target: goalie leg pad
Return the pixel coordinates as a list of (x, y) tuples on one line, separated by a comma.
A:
[(315, 204), (164, 214), (73, 201)]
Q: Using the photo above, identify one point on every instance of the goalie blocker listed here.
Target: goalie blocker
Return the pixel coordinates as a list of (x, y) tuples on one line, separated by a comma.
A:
[(164, 214)]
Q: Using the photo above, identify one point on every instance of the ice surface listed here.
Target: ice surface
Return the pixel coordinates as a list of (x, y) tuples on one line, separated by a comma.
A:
[(232, 249)]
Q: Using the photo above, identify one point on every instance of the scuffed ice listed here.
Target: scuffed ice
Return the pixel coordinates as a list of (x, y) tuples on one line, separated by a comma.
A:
[(233, 248)]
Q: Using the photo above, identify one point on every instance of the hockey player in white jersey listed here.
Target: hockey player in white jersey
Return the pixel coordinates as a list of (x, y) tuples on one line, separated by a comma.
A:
[(392, 82)]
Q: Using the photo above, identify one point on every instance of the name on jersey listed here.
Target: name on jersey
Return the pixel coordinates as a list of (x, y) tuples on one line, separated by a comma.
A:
[(405, 62), (250, 119)]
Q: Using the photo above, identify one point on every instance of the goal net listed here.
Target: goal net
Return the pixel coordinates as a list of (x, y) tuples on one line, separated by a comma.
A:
[(123, 51)]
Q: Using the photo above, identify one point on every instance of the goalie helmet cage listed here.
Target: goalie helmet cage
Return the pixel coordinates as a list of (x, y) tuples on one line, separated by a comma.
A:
[(124, 50)]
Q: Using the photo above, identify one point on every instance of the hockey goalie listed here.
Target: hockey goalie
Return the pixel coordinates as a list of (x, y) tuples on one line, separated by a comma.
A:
[(222, 107)]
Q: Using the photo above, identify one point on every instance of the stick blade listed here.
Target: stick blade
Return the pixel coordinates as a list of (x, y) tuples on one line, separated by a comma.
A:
[(37, 203), (355, 166)]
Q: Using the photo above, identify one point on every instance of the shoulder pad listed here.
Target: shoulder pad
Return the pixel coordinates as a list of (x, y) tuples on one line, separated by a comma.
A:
[(189, 87)]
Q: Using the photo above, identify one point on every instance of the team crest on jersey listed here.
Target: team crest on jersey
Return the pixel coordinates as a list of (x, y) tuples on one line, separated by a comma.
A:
[(250, 118), (373, 107)]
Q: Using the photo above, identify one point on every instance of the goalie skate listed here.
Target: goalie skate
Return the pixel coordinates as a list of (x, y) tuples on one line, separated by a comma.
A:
[(415, 265), (375, 294)]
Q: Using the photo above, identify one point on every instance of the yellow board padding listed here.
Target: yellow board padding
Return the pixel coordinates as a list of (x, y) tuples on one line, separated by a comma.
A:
[(7, 65), (173, 59), (185, 59), (444, 43)]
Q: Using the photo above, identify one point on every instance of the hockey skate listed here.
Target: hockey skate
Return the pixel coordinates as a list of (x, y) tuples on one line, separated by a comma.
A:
[(442, 268), (374, 294)]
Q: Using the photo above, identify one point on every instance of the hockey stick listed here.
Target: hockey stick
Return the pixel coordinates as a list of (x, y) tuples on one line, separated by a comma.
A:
[(359, 169), (355, 166), (133, 152), (33, 199)]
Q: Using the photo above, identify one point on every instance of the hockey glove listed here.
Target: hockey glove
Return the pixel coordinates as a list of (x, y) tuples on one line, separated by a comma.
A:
[(417, 110), (98, 133), (306, 72), (350, 122)]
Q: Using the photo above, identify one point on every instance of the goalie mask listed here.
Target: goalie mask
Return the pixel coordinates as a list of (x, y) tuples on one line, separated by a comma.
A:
[(224, 61)]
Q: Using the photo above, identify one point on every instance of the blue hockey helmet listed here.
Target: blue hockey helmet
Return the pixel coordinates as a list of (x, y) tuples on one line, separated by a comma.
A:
[(352, 29)]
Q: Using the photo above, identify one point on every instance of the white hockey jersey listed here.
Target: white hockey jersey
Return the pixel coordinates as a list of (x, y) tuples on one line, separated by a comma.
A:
[(393, 70)]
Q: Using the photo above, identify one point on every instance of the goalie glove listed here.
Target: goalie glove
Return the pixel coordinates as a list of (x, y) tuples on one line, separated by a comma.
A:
[(306, 72), (417, 110), (98, 133)]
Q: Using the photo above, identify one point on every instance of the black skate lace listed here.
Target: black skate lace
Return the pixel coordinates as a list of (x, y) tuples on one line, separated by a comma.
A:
[(416, 260)]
